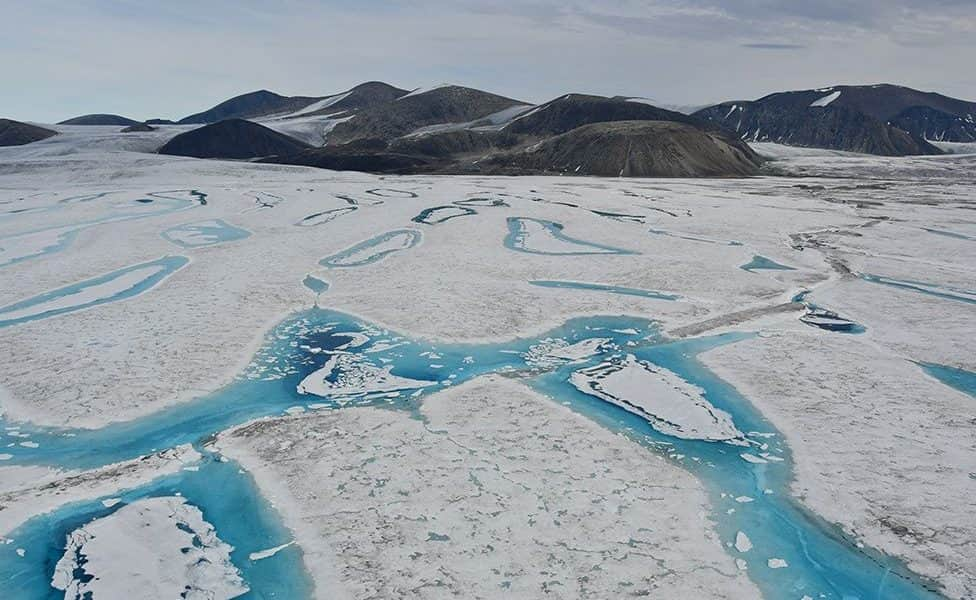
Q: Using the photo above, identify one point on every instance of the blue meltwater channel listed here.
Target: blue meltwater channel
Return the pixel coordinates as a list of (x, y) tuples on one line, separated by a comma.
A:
[(793, 553)]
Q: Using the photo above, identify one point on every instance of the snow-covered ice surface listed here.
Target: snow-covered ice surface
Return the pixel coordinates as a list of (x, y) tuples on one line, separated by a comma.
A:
[(123, 283), (204, 233), (878, 446), (456, 506), (848, 407), (153, 548)]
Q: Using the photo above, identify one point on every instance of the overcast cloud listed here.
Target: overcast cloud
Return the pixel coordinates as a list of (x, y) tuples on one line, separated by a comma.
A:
[(168, 59)]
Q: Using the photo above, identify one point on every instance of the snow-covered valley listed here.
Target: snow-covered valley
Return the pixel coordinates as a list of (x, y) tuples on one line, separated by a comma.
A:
[(428, 386)]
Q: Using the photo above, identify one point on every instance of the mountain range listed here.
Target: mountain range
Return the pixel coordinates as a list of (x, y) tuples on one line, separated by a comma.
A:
[(380, 128), (875, 119), (454, 129)]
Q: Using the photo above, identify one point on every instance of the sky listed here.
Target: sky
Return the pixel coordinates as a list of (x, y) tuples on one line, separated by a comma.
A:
[(146, 59)]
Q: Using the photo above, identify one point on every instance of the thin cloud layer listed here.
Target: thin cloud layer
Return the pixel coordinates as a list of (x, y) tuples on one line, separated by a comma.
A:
[(148, 59)]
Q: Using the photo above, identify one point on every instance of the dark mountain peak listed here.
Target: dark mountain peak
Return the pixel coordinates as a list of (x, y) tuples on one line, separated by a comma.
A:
[(15, 133), (423, 107), (378, 87), (881, 101), (251, 105), (449, 92), (643, 148), (233, 138), (839, 118), (361, 96), (570, 111), (100, 119)]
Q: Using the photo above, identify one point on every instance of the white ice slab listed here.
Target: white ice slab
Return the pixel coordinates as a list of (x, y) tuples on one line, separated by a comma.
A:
[(672, 405), (353, 376), (147, 550)]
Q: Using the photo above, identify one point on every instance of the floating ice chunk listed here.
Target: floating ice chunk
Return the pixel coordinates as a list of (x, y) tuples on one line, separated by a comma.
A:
[(110, 502), (269, 552), (345, 375), (356, 339), (381, 346), (777, 563), (580, 350), (153, 548), (743, 499), (671, 405), (752, 458), (742, 542)]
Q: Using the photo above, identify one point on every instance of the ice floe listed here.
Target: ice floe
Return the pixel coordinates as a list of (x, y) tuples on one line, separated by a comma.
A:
[(347, 375), (671, 405), (153, 548)]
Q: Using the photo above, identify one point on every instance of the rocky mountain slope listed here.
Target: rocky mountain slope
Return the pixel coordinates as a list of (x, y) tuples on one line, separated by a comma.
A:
[(453, 129), (100, 119), (441, 106), (878, 119), (269, 105), (937, 125), (575, 110), (633, 149), (249, 106), (15, 133), (232, 138)]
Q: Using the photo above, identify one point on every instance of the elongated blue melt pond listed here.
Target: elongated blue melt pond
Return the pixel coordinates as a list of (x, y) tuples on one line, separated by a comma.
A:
[(374, 249), (960, 379), (28, 245), (538, 236), (111, 287), (952, 234), (930, 289), (315, 284), (204, 233), (600, 287), (761, 263), (329, 355), (694, 238)]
